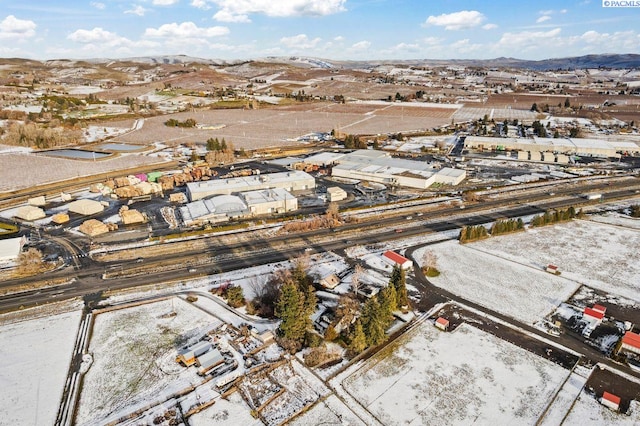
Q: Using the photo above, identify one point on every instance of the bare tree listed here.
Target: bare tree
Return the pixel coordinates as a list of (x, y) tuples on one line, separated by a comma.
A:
[(429, 263), (30, 262)]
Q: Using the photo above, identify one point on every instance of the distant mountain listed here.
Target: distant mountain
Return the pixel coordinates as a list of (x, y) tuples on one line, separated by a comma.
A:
[(588, 61)]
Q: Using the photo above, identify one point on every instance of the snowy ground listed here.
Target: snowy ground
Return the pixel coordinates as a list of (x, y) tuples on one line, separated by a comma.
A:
[(521, 291), (134, 352), (330, 411), (462, 377), (35, 358), (226, 412), (614, 218), (587, 411), (605, 257)]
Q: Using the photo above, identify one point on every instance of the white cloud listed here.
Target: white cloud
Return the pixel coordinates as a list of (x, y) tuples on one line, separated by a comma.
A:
[(12, 27), (592, 36), (200, 4), (458, 20), (185, 30), (527, 40), (239, 10), (92, 36), (226, 16), (489, 26), (137, 10), (361, 45), (164, 2), (338, 38), (98, 5), (300, 41), (542, 19), (432, 41), (465, 46)]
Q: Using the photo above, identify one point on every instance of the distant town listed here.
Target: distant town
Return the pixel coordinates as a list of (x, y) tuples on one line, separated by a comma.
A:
[(301, 241)]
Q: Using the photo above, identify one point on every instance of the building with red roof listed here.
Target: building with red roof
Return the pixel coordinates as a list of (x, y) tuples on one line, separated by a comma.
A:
[(600, 308), (630, 342), (394, 258), (442, 324), (610, 400)]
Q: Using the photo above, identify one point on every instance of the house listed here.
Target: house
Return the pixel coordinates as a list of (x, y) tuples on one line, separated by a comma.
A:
[(630, 343), (442, 324), (264, 337), (552, 269), (188, 356), (394, 259), (610, 400)]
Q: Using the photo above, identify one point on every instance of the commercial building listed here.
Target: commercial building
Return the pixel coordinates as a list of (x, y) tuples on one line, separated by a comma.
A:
[(268, 201), (380, 167), (574, 146), (294, 180)]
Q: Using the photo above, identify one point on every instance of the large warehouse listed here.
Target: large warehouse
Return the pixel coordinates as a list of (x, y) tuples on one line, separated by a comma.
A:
[(291, 181), (221, 208), (576, 146), (380, 167)]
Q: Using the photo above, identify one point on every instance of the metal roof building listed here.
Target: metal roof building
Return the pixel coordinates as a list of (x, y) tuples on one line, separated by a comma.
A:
[(380, 167), (291, 181), (215, 209), (10, 248)]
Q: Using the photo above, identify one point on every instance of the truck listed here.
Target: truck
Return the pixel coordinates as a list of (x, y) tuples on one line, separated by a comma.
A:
[(593, 196)]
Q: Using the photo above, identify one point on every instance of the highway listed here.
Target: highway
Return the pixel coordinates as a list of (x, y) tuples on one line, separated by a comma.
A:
[(86, 278)]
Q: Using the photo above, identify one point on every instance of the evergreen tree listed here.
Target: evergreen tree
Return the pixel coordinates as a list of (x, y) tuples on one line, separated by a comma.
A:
[(290, 309), (399, 282), (358, 341), (372, 322), (388, 304)]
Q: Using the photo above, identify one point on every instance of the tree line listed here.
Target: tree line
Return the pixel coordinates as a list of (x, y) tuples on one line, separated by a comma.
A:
[(550, 217)]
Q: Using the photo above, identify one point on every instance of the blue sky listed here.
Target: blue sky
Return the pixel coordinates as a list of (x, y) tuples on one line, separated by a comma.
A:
[(332, 29)]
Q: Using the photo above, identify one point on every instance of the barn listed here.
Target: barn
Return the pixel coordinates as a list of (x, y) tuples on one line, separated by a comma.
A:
[(394, 259)]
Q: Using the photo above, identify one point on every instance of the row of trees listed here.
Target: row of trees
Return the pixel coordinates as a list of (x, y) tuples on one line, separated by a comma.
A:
[(172, 122), (40, 136), (472, 233), (219, 152), (556, 216), (507, 226)]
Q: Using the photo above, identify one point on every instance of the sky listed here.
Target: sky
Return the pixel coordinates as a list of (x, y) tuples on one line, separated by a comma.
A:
[(330, 29)]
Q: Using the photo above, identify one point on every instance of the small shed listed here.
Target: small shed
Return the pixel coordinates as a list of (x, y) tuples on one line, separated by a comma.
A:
[(442, 324), (611, 401), (329, 281), (394, 258), (552, 269)]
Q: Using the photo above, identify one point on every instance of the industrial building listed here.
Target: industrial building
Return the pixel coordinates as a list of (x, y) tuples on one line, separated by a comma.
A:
[(574, 146), (245, 204), (381, 167), (335, 193), (291, 181), (213, 210)]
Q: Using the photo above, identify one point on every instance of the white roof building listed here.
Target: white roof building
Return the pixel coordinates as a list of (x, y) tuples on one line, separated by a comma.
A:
[(294, 180), (380, 167), (212, 210), (265, 201), (10, 248)]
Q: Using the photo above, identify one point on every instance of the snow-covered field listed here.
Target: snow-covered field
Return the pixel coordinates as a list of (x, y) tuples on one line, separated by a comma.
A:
[(35, 358), (614, 218), (329, 411), (134, 352), (520, 291), (587, 411), (605, 257), (463, 377), (226, 412)]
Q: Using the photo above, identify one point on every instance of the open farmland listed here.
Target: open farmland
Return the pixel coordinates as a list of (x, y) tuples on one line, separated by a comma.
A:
[(498, 114), (521, 291), (134, 352), (35, 359), (587, 411), (274, 126), (19, 171), (604, 257), (431, 378)]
